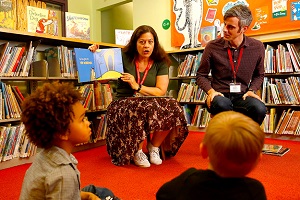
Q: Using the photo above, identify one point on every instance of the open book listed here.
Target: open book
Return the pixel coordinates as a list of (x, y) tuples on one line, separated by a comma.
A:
[(104, 64)]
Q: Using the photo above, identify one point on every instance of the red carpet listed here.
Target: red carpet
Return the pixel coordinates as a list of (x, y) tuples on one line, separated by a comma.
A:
[(280, 175)]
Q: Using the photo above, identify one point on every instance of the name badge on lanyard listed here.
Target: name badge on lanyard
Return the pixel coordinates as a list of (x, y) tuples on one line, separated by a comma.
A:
[(235, 87)]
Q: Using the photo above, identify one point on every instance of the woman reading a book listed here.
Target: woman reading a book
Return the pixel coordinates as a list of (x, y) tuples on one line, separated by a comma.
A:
[(141, 108)]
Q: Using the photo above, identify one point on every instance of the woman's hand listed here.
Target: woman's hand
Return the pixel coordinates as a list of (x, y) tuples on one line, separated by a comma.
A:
[(128, 78), (93, 48)]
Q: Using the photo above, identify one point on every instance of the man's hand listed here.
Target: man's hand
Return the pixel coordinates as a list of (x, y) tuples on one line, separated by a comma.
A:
[(211, 95), (251, 94)]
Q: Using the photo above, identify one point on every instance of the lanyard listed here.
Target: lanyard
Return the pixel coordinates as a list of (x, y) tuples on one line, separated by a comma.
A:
[(232, 64), (138, 72)]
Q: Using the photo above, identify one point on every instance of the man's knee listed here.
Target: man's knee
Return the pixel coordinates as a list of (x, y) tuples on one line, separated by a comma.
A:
[(220, 104)]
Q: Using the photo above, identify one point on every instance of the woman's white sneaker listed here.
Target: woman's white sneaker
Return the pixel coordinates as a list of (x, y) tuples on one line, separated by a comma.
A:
[(154, 154), (140, 159)]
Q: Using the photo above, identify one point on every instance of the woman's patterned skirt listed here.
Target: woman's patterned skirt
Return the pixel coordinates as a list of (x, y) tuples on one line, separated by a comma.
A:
[(130, 120)]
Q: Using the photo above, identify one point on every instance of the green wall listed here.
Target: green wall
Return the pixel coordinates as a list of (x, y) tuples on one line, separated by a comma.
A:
[(106, 16)]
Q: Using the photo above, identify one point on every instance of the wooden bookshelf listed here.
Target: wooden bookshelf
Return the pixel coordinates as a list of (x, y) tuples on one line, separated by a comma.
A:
[(292, 37), (29, 84)]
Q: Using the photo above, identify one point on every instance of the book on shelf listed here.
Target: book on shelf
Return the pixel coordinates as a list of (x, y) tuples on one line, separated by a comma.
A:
[(77, 26), (8, 16), (54, 67), (295, 62), (39, 20), (293, 123), (187, 113), (98, 125), (186, 66), (283, 121), (5, 149), (107, 94), (182, 91), (54, 27), (3, 52), (98, 96), (12, 60), (274, 149), (196, 64), (272, 119), (294, 83), (208, 33), (104, 64), (3, 139), (297, 56)]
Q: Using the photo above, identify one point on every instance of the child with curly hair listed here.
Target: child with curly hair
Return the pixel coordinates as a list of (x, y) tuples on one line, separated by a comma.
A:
[(55, 121), (233, 144)]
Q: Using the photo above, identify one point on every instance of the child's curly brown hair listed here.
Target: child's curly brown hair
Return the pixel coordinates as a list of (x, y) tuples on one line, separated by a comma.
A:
[(48, 112)]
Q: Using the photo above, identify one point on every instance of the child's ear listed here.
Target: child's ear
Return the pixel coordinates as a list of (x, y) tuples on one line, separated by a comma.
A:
[(203, 151), (63, 137)]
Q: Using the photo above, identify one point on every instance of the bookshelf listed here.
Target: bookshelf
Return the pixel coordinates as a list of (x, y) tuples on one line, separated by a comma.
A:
[(280, 90), (273, 40), (182, 86), (40, 72)]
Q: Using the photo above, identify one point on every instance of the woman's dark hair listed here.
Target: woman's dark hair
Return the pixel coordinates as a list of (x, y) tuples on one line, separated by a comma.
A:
[(158, 54), (48, 111)]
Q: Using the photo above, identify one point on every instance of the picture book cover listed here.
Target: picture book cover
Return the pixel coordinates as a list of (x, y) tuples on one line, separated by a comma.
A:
[(274, 148), (104, 64), (208, 33), (7, 14), (282, 151), (41, 20), (77, 26)]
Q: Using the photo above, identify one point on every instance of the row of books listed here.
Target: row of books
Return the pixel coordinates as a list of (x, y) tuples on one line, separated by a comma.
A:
[(191, 92), (198, 118), (14, 143), (10, 101), (282, 59), (190, 65), (99, 127), (286, 124), (61, 62), (16, 60), (281, 91), (96, 96)]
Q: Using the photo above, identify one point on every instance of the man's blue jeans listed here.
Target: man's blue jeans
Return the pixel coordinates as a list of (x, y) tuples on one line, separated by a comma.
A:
[(251, 106)]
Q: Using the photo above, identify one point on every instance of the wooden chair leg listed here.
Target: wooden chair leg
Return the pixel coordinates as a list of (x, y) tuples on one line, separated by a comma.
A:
[(162, 151)]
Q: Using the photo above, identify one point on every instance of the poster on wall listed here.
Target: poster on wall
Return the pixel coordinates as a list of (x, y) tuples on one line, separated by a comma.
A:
[(188, 17)]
